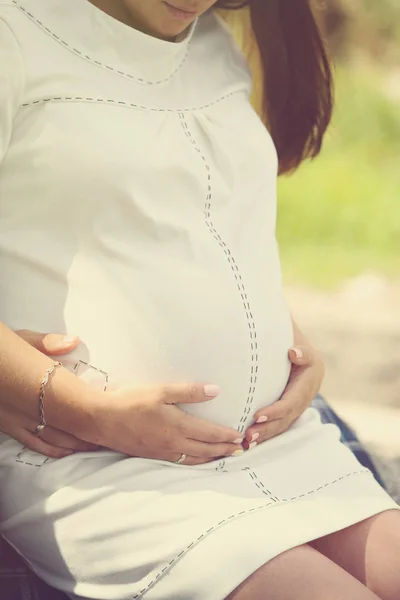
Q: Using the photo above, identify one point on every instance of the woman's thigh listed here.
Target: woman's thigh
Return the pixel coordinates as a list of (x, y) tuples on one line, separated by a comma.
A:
[(370, 551), (301, 574)]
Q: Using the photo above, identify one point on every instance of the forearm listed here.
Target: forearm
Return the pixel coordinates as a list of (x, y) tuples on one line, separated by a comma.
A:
[(68, 401)]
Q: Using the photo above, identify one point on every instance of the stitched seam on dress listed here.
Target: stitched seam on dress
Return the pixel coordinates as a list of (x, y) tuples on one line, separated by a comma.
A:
[(112, 102), (169, 565), (238, 278), (104, 373), (254, 477), (18, 459), (98, 63)]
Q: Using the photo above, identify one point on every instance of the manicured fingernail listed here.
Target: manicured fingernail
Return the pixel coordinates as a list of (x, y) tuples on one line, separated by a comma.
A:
[(59, 342), (69, 339), (238, 441), (254, 437), (262, 419), (298, 352), (238, 452), (211, 390), (252, 445)]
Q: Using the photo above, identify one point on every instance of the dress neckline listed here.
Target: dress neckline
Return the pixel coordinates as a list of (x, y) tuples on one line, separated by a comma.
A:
[(93, 34)]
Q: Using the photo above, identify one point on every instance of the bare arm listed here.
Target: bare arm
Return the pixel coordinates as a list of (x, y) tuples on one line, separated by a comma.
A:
[(69, 401), (144, 421)]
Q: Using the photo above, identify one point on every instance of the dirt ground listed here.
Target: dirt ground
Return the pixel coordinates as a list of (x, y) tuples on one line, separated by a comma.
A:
[(357, 327)]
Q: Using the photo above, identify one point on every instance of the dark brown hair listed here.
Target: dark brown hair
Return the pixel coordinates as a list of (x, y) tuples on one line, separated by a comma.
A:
[(296, 72)]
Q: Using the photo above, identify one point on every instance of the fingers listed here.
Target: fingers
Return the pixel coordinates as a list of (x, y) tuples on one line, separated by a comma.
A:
[(193, 427), (281, 416), (49, 343), (254, 435), (59, 439), (205, 431), (37, 445), (302, 386), (189, 431), (278, 417), (277, 410), (54, 443), (257, 434), (188, 393), (211, 451), (297, 396), (192, 460), (301, 355)]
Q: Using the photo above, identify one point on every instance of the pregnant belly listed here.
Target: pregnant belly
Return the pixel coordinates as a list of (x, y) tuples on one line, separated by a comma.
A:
[(172, 323), (186, 324)]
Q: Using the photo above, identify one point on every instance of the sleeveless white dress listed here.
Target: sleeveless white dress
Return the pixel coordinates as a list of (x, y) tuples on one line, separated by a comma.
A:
[(137, 210)]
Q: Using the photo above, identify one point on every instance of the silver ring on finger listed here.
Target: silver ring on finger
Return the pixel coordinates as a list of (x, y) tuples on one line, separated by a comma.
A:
[(180, 459)]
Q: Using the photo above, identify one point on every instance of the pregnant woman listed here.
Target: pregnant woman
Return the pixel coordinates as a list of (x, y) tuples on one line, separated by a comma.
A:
[(138, 208)]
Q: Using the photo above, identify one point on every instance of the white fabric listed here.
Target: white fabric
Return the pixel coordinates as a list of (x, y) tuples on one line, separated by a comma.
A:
[(137, 210)]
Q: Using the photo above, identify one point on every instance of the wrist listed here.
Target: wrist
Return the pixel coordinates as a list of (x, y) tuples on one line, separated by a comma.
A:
[(71, 405)]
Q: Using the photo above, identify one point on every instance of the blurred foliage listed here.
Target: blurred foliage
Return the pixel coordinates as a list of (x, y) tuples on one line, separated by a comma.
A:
[(371, 27), (340, 214)]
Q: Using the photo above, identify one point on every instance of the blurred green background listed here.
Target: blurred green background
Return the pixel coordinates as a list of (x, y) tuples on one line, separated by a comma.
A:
[(339, 216)]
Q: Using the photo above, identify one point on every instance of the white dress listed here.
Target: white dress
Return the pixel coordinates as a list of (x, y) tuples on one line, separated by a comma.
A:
[(137, 210)]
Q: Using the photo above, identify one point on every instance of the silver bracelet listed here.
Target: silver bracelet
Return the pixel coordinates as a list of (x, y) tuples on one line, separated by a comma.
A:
[(42, 391)]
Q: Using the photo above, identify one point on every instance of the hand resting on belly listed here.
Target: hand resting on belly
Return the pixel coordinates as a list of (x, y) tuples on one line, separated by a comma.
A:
[(149, 423), (145, 422)]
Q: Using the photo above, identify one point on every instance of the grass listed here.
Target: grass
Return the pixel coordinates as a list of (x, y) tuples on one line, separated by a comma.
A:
[(340, 214)]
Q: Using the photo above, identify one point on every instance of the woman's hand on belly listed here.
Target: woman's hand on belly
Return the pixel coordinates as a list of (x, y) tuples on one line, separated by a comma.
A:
[(149, 423), (304, 383), (145, 422)]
